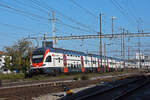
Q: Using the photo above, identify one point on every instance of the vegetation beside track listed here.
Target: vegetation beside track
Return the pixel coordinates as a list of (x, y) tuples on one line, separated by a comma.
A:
[(13, 77)]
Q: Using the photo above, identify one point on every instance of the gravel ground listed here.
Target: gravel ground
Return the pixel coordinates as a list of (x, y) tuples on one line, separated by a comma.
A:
[(55, 96), (45, 92)]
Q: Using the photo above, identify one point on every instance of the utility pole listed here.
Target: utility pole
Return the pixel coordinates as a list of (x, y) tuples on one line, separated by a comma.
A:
[(100, 33), (44, 41), (121, 42), (53, 28), (113, 18), (122, 46), (128, 53), (139, 44), (105, 56), (128, 47)]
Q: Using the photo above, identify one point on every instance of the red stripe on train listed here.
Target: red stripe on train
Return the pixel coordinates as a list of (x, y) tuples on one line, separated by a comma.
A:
[(99, 68), (108, 68), (65, 63), (65, 69), (82, 64)]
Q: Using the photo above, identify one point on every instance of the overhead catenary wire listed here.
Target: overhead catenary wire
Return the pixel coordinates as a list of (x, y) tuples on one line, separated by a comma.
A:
[(133, 13), (46, 6), (74, 27), (23, 12), (131, 16), (121, 9), (137, 19), (33, 6), (17, 27), (83, 8)]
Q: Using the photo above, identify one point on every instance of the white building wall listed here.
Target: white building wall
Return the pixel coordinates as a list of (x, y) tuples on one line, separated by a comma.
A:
[(2, 61)]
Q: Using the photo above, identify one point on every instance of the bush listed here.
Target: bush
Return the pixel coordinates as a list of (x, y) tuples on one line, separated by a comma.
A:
[(84, 77), (76, 78)]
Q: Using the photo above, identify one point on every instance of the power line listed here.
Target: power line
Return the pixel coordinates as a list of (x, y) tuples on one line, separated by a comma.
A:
[(86, 10), (118, 6), (16, 27), (74, 27), (46, 6), (23, 12), (133, 15), (32, 6), (26, 13)]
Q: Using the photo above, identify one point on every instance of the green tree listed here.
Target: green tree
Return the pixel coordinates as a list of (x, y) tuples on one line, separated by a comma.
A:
[(20, 56), (7, 64)]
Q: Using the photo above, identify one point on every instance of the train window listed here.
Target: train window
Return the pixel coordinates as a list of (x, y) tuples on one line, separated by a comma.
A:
[(93, 61), (71, 65), (48, 59), (85, 61), (74, 66), (59, 59), (80, 65), (68, 65)]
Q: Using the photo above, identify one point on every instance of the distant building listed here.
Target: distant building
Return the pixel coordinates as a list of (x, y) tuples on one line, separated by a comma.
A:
[(2, 61), (142, 60), (140, 56)]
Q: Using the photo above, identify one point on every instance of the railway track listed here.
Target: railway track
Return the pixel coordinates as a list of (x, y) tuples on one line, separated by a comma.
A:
[(53, 82), (113, 92), (116, 92), (131, 91), (27, 91)]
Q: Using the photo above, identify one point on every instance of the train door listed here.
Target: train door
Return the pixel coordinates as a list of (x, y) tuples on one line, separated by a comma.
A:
[(54, 62), (82, 64), (65, 63), (107, 66), (99, 69), (91, 69), (48, 61)]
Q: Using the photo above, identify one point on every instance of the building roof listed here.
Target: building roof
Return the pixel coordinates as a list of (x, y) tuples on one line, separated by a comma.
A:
[(2, 53)]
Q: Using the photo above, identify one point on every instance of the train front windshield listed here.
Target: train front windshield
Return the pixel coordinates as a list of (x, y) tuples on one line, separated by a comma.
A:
[(37, 56)]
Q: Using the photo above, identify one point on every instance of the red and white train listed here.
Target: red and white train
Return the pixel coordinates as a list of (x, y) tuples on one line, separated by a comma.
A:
[(55, 60)]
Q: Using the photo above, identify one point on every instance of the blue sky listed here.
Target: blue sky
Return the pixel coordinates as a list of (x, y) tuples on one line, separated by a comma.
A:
[(20, 18)]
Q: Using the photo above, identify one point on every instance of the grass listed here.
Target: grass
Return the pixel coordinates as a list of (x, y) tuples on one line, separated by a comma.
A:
[(11, 77), (85, 77), (20, 76)]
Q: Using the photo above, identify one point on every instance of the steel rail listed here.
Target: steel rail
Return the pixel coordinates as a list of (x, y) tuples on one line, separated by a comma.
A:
[(100, 92), (120, 97)]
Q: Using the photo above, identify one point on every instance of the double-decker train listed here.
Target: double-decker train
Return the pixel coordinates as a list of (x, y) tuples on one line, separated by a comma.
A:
[(48, 60)]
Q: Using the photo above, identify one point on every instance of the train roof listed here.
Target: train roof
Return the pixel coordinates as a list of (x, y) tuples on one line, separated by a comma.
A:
[(76, 53)]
